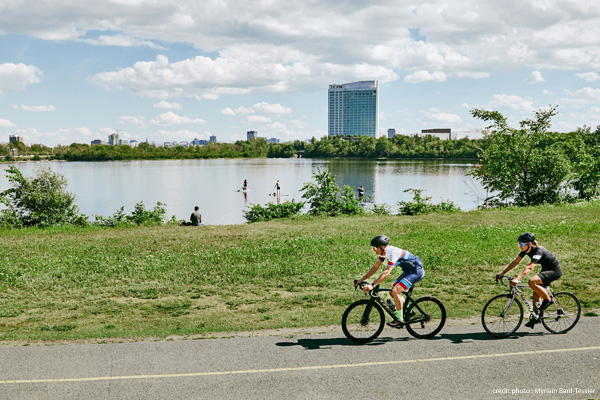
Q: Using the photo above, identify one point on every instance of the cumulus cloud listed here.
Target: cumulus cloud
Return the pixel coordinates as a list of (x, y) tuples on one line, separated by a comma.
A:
[(168, 106), (425, 76), (512, 102), (535, 77), (257, 119), (262, 107), (4, 123), (170, 118), (589, 76), (443, 117), (14, 77), (127, 119), (37, 109), (120, 41)]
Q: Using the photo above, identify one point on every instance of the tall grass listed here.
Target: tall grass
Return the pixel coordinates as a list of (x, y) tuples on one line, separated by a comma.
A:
[(140, 282)]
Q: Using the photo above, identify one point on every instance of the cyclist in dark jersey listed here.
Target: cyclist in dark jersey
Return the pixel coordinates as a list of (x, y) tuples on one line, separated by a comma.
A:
[(551, 271)]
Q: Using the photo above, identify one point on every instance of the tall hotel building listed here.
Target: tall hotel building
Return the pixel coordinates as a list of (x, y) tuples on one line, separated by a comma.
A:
[(353, 109)]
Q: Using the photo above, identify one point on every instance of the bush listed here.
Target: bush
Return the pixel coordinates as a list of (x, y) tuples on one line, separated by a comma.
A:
[(139, 216), (286, 209), (326, 198), (384, 209), (39, 201), (421, 205)]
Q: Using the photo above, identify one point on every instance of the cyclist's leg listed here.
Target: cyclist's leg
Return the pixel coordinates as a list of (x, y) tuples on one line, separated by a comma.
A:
[(404, 282)]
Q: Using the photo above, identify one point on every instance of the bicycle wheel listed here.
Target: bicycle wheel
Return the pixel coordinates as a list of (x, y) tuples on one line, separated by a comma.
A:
[(360, 327), (502, 315), (562, 315), (426, 324)]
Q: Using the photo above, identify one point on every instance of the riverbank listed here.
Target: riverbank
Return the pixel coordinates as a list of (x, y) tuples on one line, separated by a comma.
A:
[(156, 282)]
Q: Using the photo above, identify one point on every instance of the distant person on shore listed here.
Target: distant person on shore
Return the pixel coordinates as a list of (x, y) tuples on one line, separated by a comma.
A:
[(195, 218), (361, 193), (278, 188)]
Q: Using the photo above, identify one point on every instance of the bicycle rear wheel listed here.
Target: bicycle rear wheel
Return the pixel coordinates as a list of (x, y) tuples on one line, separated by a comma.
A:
[(360, 326), (502, 315), (563, 314), (426, 324)]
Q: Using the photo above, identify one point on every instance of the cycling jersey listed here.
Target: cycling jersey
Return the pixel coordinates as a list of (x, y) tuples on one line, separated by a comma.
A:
[(542, 256), (395, 256)]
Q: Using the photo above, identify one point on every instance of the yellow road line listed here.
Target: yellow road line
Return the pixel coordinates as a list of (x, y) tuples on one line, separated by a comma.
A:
[(288, 369)]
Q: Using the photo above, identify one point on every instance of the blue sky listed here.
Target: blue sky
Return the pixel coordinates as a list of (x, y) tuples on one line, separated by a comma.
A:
[(175, 71)]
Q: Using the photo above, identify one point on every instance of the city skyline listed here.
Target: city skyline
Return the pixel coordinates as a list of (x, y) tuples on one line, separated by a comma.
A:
[(170, 71)]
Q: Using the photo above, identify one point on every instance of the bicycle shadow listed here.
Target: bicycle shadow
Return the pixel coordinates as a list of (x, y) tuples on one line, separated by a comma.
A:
[(324, 344), (458, 338)]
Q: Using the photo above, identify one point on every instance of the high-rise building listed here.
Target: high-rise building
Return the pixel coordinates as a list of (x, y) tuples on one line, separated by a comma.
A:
[(354, 108), (251, 135)]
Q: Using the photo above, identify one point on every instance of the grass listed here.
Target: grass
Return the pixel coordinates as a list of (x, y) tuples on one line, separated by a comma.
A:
[(153, 282)]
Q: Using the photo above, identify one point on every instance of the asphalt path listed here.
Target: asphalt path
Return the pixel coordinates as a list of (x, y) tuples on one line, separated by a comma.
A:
[(462, 362)]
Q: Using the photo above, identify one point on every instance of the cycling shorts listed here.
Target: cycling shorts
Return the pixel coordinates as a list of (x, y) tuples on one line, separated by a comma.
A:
[(409, 278), (550, 276)]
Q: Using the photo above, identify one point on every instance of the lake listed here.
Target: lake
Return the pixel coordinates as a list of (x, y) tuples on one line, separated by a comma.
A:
[(215, 185)]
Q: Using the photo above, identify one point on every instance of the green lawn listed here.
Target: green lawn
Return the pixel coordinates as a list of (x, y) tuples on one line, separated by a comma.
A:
[(152, 282)]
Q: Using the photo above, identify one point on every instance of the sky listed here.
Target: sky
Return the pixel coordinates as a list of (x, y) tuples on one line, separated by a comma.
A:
[(176, 70)]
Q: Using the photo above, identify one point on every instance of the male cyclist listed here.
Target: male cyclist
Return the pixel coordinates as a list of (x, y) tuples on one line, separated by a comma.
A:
[(412, 272), (551, 271)]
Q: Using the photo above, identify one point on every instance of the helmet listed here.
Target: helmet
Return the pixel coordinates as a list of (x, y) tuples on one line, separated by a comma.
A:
[(380, 240), (527, 237)]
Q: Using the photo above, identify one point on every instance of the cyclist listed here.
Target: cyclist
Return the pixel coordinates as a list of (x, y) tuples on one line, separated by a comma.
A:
[(412, 272), (551, 271)]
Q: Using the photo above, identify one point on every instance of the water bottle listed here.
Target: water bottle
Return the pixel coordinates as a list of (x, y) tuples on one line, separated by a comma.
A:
[(392, 305)]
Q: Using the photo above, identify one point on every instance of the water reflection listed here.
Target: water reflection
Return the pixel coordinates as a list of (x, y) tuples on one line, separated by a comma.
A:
[(216, 185)]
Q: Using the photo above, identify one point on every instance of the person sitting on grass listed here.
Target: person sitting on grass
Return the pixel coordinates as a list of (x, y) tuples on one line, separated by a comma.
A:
[(195, 218)]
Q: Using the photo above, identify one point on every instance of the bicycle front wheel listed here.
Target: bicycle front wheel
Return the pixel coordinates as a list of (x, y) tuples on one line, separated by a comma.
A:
[(562, 315), (362, 326), (502, 315), (426, 320)]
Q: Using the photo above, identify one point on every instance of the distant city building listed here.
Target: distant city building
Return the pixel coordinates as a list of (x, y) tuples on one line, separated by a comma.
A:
[(168, 144), (391, 133), (273, 140), (113, 139), (251, 135), (444, 134), (97, 141), (124, 141), (15, 139), (133, 143), (213, 139), (354, 109)]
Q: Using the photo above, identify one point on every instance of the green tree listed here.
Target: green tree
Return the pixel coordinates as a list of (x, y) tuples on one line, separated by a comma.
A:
[(39, 201), (326, 198), (524, 164)]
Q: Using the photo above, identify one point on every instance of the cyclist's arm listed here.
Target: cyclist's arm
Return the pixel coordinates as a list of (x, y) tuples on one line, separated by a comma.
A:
[(386, 272), (369, 273), (527, 270), (513, 264)]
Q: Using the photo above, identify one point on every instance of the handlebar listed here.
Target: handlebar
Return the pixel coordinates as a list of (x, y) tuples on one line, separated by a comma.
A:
[(509, 278)]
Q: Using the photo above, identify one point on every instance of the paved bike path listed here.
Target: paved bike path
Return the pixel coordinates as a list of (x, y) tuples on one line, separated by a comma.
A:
[(461, 362)]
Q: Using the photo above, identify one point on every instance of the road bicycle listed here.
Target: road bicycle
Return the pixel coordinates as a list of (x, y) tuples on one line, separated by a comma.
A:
[(364, 320), (503, 314)]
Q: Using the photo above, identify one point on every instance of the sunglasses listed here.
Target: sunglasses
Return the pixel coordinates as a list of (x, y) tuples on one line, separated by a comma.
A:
[(523, 244)]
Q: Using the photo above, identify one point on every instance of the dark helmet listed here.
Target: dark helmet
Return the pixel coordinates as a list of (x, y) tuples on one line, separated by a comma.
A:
[(380, 240), (527, 237)]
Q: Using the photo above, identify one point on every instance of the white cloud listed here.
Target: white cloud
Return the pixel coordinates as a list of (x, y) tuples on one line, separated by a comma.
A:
[(127, 119), (14, 77), (120, 41), (425, 76), (168, 106), (257, 119), (37, 109), (443, 117), (589, 76), (170, 118), (535, 77), (4, 123), (262, 107), (511, 102)]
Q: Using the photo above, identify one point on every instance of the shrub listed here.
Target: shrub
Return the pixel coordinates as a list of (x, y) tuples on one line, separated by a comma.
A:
[(286, 209), (139, 216), (384, 209), (421, 205), (326, 198), (38, 201)]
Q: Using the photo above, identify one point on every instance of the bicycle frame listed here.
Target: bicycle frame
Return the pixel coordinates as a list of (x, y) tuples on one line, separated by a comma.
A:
[(515, 291), (374, 297)]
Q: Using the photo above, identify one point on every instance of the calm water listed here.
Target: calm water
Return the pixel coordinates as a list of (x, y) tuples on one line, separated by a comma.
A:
[(103, 187)]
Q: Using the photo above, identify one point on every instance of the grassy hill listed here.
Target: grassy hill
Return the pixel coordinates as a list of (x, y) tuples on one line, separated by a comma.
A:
[(138, 283)]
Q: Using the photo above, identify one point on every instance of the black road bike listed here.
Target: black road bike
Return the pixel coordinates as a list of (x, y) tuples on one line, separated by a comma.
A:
[(503, 314), (364, 320)]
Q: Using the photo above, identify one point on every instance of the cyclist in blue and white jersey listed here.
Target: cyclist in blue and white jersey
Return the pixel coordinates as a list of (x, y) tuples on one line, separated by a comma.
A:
[(412, 272)]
